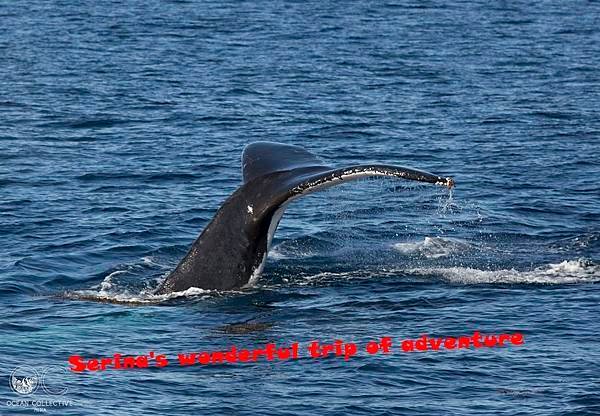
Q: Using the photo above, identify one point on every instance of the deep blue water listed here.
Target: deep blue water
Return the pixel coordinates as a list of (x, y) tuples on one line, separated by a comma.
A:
[(122, 125)]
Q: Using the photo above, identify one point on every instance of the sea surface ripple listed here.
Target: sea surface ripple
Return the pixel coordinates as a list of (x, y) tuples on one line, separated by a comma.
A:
[(122, 125)]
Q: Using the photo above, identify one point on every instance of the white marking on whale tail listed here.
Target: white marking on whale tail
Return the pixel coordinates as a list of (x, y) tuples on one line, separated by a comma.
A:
[(256, 273), (250, 209), (272, 227)]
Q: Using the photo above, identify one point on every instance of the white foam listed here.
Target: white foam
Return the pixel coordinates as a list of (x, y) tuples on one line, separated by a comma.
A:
[(568, 271), (146, 297), (276, 254), (149, 261), (107, 282), (285, 251), (433, 247), (110, 291)]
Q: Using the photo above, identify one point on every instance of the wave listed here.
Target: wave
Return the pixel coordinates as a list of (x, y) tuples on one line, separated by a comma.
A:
[(328, 244), (117, 286), (577, 271), (580, 242), (566, 272), (144, 297), (304, 247), (111, 290), (126, 285)]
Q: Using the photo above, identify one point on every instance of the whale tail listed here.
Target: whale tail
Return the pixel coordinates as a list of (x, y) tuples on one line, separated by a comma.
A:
[(231, 251)]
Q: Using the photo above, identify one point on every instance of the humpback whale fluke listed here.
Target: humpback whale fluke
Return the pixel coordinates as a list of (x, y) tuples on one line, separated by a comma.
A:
[(232, 249)]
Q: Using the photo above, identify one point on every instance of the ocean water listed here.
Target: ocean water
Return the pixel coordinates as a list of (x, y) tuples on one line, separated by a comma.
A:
[(122, 126)]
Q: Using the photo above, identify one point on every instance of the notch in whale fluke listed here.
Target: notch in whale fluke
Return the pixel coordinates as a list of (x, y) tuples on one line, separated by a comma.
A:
[(231, 251)]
